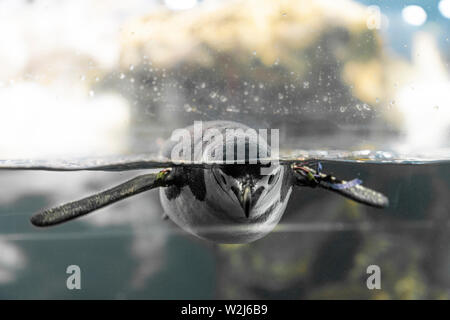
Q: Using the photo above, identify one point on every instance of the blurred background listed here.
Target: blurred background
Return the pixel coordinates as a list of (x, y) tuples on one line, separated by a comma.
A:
[(108, 78)]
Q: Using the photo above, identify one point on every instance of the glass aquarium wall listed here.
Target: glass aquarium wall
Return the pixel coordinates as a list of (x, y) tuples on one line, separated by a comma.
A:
[(93, 79)]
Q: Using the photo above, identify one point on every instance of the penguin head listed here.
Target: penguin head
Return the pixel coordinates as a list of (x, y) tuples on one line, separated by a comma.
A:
[(244, 177), (245, 193), (251, 192)]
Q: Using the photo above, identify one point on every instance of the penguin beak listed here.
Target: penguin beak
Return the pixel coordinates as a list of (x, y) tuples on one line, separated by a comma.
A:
[(243, 193), (247, 196), (246, 200)]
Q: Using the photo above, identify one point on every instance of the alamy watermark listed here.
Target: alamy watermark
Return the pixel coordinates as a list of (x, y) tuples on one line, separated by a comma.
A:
[(374, 17), (239, 145), (74, 280), (374, 280)]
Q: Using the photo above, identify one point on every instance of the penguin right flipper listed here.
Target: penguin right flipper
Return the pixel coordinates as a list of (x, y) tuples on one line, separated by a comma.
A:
[(306, 176), (86, 205)]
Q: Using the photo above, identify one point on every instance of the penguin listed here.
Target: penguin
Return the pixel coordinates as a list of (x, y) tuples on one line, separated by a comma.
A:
[(237, 200)]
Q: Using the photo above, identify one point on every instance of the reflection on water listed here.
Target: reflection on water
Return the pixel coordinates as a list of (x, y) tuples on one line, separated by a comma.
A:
[(321, 249)]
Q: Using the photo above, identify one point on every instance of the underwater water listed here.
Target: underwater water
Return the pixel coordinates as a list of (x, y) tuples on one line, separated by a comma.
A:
[(321, 248)]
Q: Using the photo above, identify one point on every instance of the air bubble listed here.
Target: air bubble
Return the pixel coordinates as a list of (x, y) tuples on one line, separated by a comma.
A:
[(232, 109)]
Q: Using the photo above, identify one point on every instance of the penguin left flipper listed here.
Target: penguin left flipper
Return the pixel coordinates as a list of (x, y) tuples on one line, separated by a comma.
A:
[(86, 205), (306, 176)]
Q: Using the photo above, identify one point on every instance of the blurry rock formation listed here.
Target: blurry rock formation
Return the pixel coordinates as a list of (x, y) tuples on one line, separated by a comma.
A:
[(306, 67)]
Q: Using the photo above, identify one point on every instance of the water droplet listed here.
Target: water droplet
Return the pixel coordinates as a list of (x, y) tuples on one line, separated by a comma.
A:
[(131, 67), (261, 85), (280, 96), (232, 109), (213, 95), (122, 76), (366, 106), (306, 84), (223, 99), (83, 77), (91, 93), (132, 80), (203, 85), (436, 107), (342, 109), (256, 98)]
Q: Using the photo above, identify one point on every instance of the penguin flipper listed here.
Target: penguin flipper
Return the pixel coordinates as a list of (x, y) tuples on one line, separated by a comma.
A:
[(306, 176), (75, 209)]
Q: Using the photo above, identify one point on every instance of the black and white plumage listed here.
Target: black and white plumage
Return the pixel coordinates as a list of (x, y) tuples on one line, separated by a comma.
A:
[(231, 203), (224, 203)]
